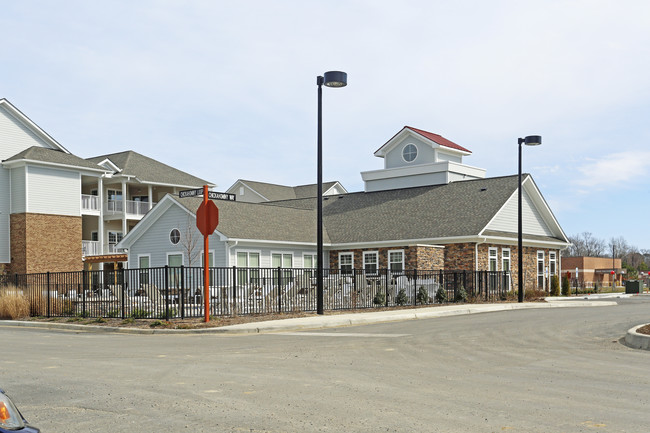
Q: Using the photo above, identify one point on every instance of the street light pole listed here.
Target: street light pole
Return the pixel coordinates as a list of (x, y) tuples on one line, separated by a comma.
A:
[(531, 140), (329, 79)]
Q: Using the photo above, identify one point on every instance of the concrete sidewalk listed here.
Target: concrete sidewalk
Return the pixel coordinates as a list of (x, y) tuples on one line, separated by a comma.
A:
[(324, 321)]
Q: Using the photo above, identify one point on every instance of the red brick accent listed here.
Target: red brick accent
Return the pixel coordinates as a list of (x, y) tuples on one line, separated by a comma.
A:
[(42, 243)]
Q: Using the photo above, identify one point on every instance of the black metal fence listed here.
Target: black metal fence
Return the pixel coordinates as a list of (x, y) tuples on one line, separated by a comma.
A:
[(178, 292)]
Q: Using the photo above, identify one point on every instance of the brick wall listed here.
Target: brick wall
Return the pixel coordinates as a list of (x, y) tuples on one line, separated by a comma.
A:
[(459, 257), (42, 243)]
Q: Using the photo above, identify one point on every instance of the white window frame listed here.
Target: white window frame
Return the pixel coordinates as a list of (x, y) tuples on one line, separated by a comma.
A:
[(390, 268), (493, 258), (552, 263), (174, 274), (250, 273), (540, 253), (348, 253), (180, 236), (506, 257), (144, 275), (314, 260), (376, 255), (417, 152)]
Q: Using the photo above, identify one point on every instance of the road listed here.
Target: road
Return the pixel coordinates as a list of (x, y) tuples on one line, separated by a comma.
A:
[(550, 370)]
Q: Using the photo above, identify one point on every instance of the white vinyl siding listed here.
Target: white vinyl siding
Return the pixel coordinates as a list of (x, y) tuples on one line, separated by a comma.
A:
[(16, 137), (155, 241), (532, 221), (18, 195), (53, 191)]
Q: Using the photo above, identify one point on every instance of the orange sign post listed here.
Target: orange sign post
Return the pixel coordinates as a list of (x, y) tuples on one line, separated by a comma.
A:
[(207, 220)]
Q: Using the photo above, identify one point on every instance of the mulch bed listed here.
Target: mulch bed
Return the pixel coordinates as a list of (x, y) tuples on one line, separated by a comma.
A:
[(644, 330)]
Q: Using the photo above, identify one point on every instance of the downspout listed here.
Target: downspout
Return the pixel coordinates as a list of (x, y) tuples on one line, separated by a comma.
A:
[(228, 246), (476, 253)]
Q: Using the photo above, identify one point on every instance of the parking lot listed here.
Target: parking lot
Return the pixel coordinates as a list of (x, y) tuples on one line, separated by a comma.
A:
[(550, 370)]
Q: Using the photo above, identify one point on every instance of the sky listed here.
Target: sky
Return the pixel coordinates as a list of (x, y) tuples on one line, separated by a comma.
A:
[(226, 90)]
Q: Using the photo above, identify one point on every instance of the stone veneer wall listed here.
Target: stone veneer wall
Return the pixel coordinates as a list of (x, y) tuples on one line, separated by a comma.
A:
[(459, 257), (415, 257), (42, 243)]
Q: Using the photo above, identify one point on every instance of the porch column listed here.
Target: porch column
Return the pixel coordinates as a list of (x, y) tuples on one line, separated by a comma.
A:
[(123, 206), (100, 222), (150, 194)]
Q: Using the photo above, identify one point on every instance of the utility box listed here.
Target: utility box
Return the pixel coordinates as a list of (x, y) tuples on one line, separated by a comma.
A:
[(633, 286)]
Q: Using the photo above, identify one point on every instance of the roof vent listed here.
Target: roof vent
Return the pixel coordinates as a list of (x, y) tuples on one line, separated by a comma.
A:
[(483, 189)]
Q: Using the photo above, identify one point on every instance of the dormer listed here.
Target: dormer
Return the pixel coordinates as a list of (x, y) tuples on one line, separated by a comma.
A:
[(414, 157)]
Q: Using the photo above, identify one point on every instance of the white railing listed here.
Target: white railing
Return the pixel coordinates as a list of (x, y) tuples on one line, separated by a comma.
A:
[(132, 207), (89, 202), (90, 248)]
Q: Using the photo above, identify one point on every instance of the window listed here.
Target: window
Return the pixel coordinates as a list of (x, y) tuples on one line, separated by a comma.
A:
[(505, 265), (94, 236), (114, 195), (282, 260), (250, 260), (540, 270), (175, 236), (396, 261), (143, 264), (175, 261), (552, 263), (410, 152), (309, 263), (346, 262), (370, 262), (493, 263), (114, 237)]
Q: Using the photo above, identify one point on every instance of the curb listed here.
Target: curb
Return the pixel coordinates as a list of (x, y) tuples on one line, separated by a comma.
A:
[(315, 322), (637, 341)]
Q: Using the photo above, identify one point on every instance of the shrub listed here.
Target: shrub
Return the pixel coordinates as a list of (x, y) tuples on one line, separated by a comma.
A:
[(461, 295), (566, 288), (13, 304), (113, 314), (441, 296), (555, 285), (380, 298), (139, 313), (401, 298), (171, 311), (423, 296)]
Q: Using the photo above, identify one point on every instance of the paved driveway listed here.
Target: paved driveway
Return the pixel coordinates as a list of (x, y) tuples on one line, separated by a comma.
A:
[(553, 370)]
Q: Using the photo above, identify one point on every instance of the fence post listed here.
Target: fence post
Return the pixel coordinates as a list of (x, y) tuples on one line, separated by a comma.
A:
[(386, 289), (234, 290), (83, 290), (123, 289), (166, 290), (48, 294), (181, 297), (279, 290), (415, 286)]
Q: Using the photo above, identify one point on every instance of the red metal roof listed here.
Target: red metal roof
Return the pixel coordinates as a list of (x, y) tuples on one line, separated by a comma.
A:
[(438, 139)]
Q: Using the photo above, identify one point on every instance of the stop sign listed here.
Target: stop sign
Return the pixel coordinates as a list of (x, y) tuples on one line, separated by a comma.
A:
[(207, 217)]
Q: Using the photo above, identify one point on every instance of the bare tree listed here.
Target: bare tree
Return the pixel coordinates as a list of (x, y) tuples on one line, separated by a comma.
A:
[(619, 247), (190, 241), (585, 244)]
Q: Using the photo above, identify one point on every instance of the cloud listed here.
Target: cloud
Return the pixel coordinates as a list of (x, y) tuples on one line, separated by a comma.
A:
[(614, 171)]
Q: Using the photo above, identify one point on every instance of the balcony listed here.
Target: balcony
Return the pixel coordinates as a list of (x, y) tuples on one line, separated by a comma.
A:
[(134, 209), (93, 248), (90, 204)]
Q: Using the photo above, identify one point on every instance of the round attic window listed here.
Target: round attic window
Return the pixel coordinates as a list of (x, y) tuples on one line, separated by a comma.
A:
[(410, 152), (175, 236)]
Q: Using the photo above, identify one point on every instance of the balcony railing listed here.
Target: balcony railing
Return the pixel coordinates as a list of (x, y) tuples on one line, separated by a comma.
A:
[(93, 248), (89, 202), (138, 208), (90, 248)]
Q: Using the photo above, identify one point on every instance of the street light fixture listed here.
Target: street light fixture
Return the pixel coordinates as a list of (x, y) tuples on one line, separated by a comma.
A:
[(531, 140), (329, 79)]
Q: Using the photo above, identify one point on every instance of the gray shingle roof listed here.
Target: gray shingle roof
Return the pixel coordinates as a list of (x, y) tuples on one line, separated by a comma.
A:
[(147, 169), (273, 192), (241, 220), (459, 209), (54, 156)]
